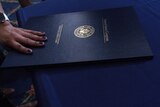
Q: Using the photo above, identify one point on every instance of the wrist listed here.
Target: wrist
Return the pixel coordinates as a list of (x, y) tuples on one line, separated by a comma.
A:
[(5, 24), (3, 18)]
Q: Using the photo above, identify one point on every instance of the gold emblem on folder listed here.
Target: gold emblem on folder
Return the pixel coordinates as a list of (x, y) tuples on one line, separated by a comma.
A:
[(84, 31)]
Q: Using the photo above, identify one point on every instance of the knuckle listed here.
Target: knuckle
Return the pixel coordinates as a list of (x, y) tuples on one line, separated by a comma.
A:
[(18, 46), (27, 41)]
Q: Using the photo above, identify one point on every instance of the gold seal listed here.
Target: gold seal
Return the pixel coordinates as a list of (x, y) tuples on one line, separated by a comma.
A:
[(84, 31)]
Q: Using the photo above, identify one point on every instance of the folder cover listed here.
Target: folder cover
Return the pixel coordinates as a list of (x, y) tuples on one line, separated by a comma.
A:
[(87, 36)]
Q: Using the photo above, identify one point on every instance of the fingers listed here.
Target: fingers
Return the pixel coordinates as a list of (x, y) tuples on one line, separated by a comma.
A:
[(28, 41), (19, 38), (34, 35), (22, 39), (33, 32), (17, 46)]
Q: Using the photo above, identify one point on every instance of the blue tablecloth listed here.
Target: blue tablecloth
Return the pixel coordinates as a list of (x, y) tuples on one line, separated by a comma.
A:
[(130, 84)]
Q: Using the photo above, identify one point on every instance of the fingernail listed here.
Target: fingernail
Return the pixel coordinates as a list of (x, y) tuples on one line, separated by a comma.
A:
[(44, 37), (29, 51), (41, 43)]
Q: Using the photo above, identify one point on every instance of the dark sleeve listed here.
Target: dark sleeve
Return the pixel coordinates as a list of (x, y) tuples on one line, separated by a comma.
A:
[(3, 53)]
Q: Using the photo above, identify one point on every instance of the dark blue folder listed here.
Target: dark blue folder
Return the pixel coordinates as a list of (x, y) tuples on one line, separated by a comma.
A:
[(88, 36), (106, 85)]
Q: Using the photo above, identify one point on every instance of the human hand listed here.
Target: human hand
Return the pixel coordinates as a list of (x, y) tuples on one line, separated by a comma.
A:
[(19, 38)]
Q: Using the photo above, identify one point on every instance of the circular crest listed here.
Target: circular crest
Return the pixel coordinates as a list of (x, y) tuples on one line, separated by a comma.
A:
[(84, 31)]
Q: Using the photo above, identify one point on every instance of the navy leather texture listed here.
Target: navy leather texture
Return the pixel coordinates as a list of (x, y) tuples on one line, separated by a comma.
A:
[(126, 39)]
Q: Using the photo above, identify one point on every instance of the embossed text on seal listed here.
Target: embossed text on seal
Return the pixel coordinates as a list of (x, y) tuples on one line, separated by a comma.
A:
[(84, 31)]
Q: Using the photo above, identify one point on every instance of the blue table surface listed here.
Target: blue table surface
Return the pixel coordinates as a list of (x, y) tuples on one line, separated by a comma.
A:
[(130, 84)]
